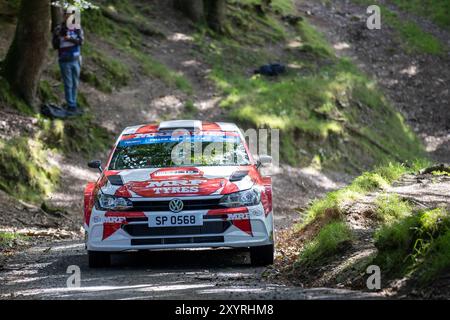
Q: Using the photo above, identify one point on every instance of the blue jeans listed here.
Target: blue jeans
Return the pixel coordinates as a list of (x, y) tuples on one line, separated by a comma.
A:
[(70, 72)]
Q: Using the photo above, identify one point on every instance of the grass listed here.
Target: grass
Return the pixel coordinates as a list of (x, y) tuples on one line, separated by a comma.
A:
[(414, 38), (108, 74), (410, 244), (391, 208), (74, 135), (381, 177), (440, 173), (189, 111), (283, 7), (8, 239), (127, 39), (415, 246), (437, 10), (154, 68), (317, 106), (328, 242)]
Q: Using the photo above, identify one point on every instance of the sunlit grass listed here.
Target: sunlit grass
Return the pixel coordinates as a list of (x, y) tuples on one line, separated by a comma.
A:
[(328, 241), (415, 245), (314, 107), (378, 179), (7, 239)]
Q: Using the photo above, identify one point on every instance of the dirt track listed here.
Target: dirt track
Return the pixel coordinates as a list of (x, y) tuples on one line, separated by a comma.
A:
[(220, 274)]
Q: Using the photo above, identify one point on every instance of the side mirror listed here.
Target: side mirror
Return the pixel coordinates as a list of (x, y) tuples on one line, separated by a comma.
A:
[(263, 159), (95, 164)]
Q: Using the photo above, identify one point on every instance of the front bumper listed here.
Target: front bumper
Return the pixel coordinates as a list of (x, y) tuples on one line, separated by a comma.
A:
[(129, 231)]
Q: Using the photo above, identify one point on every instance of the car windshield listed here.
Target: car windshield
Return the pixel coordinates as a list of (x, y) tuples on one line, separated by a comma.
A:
[(166, 150)]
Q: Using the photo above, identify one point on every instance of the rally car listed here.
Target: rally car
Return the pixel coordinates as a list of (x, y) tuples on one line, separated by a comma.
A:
[(179, 184)]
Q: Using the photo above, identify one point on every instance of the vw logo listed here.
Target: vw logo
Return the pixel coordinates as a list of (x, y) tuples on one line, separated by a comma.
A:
[(176, 205)]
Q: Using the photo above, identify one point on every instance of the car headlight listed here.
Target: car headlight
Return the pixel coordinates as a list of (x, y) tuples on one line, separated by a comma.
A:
[(108, 202), (249, 197)]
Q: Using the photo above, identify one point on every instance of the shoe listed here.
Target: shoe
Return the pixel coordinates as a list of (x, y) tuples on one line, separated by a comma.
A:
[(73, 112)]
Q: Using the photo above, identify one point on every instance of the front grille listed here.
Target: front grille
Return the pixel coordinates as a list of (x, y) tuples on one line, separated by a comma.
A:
[(197, 204), (140, 242), (208, 227)]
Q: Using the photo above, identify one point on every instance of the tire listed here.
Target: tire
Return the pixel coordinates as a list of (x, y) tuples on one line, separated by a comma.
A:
[(262, 255), (99, 259)]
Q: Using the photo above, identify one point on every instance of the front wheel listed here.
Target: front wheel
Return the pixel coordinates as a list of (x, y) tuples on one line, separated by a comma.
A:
[(99, 259), (262, 255)]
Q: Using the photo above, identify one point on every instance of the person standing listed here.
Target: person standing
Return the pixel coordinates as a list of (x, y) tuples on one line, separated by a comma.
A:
[(68, 39)]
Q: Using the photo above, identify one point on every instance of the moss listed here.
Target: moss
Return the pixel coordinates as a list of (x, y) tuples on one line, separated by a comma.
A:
[(74, 135), (46, 92), (8, 98), (25, 170)]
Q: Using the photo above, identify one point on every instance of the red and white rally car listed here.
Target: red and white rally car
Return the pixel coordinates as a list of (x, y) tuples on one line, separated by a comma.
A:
[(179, 184)]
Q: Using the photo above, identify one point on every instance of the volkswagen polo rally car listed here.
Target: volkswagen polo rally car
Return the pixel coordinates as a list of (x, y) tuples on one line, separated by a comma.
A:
[(179, 184)]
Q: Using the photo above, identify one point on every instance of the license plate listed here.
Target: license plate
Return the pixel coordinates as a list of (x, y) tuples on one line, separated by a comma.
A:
[(175, 220)]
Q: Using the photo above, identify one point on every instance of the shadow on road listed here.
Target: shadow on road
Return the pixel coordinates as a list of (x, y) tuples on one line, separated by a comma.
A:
[(182, 259)]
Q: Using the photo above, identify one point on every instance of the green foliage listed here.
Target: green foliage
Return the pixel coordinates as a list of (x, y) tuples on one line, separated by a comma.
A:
[(316, 107), (190, 110), (154, 68), (109, 73), (8, 239), (46, 92), (391, 208), (440, 173), (8, 98), (127, 39), (415, 39), (74, 135), (381, 177), (283, 7), (416, 246), (250, 28), (314, 41), (330, 240), (437, 10), (25, 170)]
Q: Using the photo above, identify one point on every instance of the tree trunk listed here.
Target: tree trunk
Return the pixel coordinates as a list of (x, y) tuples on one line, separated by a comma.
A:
[(57, 15), (193, 9), (217, 10), (23, 63)]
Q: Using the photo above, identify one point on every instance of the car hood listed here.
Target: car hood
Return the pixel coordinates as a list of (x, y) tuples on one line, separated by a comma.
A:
[(179, 182)]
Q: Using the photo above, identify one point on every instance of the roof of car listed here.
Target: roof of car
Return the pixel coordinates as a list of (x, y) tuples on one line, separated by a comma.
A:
[(181, 124)]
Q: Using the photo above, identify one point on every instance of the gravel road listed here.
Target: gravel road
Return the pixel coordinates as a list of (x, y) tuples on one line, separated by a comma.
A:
[(40, 273)]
